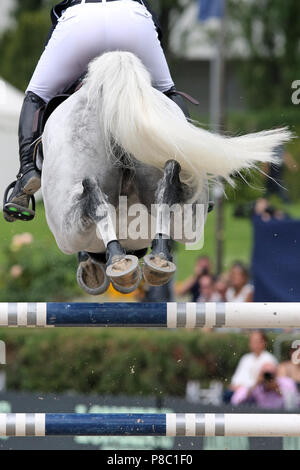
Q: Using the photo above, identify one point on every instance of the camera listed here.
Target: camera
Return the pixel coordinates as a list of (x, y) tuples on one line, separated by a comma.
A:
[(268, 376)]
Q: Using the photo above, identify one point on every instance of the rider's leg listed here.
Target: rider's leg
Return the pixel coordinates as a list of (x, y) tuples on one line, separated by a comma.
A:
[(54, 71), (141, 39), (28, 178), (150, 51)]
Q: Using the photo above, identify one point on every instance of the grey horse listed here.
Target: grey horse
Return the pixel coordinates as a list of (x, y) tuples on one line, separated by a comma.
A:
[(118, 140)]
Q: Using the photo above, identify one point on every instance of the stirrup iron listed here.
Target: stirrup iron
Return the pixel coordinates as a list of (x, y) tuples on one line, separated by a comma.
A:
[(16, 211)]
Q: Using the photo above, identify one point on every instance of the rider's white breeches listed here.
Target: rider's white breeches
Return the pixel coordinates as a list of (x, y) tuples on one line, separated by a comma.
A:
[(85, 31)]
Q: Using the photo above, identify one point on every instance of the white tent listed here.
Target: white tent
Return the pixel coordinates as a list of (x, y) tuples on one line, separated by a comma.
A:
[(11, 101)]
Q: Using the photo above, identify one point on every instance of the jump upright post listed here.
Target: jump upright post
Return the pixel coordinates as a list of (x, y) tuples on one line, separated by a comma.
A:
[(147, 315), (190, 425)]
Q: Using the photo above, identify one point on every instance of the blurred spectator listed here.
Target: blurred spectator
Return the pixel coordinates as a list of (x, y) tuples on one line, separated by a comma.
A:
[(191, 285), (291, 368), (221, 286), (266, 212), (269, 391), (207, 290), (2, 380), (250, 364), (240, 290), (275, 184)]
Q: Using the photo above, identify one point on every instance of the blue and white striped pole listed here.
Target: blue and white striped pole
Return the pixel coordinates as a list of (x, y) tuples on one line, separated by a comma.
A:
[(163, 315), (190, 425)]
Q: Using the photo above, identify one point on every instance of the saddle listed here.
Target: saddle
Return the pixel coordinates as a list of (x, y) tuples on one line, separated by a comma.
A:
[(50, 108), (38, 156)]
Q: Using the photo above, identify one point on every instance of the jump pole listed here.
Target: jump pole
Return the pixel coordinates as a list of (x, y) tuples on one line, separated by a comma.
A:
[(191, 425), (162, 315)]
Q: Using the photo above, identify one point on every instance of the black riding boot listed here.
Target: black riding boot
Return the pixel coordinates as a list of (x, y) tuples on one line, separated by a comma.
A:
[(177, 98), (28, 178)]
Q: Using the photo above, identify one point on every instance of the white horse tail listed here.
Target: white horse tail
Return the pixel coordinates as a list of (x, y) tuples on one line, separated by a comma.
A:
[(150, 127)]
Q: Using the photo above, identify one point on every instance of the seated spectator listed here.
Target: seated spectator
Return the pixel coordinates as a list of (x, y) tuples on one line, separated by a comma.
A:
[(267, 212), (221, 286), (250, 364), (207, 291), (291, 368), (269, 391), (240, 290), (191, 286)]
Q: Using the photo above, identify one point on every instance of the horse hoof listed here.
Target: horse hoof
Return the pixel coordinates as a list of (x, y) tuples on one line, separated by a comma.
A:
[(92, 278), (157, 270), (125, 273), (128, 290)]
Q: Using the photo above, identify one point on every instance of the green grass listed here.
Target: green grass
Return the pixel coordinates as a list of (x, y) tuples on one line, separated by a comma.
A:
[(37, 227)]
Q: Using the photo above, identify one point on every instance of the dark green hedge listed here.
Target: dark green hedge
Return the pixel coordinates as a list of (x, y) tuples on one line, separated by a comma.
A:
[(115, 361)]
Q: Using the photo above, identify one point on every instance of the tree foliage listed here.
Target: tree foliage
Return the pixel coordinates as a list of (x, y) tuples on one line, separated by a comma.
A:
[(23, 6), (22, 46), (272, 32)]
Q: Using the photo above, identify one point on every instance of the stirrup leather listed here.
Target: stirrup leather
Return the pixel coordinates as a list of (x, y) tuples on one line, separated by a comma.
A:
[(16, 211)]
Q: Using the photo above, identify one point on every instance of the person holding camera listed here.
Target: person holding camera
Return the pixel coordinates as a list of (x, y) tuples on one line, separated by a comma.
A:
[(250, 364), (269, 391), (191, 286)]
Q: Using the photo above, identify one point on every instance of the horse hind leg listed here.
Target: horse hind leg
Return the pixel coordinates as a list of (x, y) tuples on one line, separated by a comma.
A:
[(91, 271), (158, 266), (91, 274), (122, 269)]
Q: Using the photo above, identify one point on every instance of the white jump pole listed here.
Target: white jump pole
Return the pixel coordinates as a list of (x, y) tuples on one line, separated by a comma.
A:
[(190, 425), (148, 315)]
